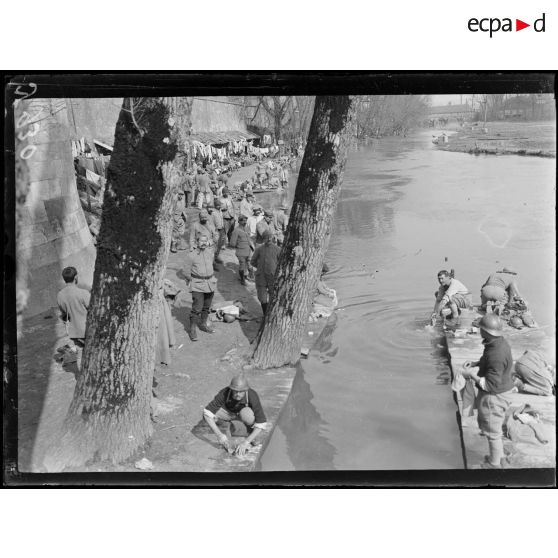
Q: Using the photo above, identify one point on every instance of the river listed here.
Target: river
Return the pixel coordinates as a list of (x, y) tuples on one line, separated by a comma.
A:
[(375, 393)]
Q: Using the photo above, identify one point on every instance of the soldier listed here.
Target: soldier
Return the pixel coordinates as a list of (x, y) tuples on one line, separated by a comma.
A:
[(73, 303), (237, 402), (495, 384), (229, 212), (265, 260), (266, 224), (451, 296), (280, 222), (241, 241), (198, 271), (216, 215), (203, 226), (500, 288), (179, 219)]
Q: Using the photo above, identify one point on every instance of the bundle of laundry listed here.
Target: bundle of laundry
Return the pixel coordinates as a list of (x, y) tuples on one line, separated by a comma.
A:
[(523, 424)]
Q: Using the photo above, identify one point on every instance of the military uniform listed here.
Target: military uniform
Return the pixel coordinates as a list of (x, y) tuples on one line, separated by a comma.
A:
[(179, 218), (198, 270), (208, 229), (265, 260)]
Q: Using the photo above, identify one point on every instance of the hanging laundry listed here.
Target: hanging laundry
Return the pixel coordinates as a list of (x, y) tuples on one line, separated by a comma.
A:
[(93, 177)]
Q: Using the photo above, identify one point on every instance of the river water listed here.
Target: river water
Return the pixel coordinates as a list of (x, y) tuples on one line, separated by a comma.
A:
[(375, 393)]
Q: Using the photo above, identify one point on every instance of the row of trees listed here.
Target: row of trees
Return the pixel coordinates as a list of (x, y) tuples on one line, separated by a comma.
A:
[(388, 115), (376, 115), (286, 117), (109, 416)]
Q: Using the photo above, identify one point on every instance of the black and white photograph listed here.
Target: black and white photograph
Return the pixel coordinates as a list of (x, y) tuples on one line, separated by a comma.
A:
[(321, 282)]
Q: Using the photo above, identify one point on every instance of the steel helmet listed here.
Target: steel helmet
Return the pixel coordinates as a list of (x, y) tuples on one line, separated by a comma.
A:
[(239, 383), (228, 318), (516, 322), (491, 324)]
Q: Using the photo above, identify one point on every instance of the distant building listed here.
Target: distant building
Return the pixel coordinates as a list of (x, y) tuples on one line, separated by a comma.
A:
[(454, 112), (528, 107)]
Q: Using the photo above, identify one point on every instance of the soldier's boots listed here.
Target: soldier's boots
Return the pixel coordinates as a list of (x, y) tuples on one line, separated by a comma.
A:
[(193, 333), (204, 325)]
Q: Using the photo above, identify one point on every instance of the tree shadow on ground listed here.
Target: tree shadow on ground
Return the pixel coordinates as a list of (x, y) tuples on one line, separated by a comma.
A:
[(40, 336)]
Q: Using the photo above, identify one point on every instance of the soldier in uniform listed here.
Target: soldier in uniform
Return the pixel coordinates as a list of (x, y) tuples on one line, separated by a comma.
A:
[(241, 241), (265, 260), (198, 271), (203, 226), (179, 219)]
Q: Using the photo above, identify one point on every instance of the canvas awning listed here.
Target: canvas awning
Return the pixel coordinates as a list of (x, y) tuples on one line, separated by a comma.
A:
[(103, 145), (220, 138)]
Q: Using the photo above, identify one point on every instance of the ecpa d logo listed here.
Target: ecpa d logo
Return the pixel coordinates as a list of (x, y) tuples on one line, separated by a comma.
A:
[(492, 25)]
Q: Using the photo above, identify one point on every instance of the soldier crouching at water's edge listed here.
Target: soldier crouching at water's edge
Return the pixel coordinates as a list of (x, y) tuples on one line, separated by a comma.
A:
[(239, 405), (451, 297)]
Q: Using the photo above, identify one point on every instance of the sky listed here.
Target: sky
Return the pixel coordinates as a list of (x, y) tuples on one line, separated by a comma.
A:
[(441, 100)]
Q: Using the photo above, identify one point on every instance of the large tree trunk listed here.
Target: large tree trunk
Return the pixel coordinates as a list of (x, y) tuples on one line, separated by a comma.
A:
[(300, 262), (109, 417)]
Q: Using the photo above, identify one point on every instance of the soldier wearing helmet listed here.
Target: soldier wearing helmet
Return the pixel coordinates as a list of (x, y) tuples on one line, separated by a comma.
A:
[(495, 384), (239, 405)]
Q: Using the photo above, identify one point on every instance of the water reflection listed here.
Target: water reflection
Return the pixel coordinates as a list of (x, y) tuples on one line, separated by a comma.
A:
[(364, 219), (375, 395), (307, 446)]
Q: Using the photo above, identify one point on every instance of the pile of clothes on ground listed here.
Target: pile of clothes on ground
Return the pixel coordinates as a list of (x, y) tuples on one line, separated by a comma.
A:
[(517, 314)]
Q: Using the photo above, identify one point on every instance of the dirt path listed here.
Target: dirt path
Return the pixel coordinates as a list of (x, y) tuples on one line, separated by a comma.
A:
[(180, 442)]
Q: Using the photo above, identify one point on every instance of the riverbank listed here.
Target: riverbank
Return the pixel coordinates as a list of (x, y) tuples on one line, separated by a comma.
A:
[(536, 139), (528, 453), (181, 442)]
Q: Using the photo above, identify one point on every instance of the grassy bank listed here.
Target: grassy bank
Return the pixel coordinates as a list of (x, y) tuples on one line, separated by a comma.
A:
[(536, 139)]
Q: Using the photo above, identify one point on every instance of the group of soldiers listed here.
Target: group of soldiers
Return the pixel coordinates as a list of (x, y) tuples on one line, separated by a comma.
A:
[(495, 374), (254, 233)]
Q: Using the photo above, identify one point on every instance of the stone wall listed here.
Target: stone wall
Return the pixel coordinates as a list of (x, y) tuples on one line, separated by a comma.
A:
[(54, 233), (93, 118), (215, 114)]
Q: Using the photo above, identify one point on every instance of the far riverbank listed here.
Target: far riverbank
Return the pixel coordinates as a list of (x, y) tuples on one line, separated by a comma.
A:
[(536, 139)]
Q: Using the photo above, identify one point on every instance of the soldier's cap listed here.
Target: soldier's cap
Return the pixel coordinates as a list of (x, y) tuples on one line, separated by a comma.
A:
[(268, 213)]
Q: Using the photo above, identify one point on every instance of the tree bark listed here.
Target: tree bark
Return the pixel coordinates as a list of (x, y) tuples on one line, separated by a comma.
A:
[(300, 263), (109, 417)]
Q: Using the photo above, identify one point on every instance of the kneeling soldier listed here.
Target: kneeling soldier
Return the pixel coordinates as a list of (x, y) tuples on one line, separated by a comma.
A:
[(236, 402)]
